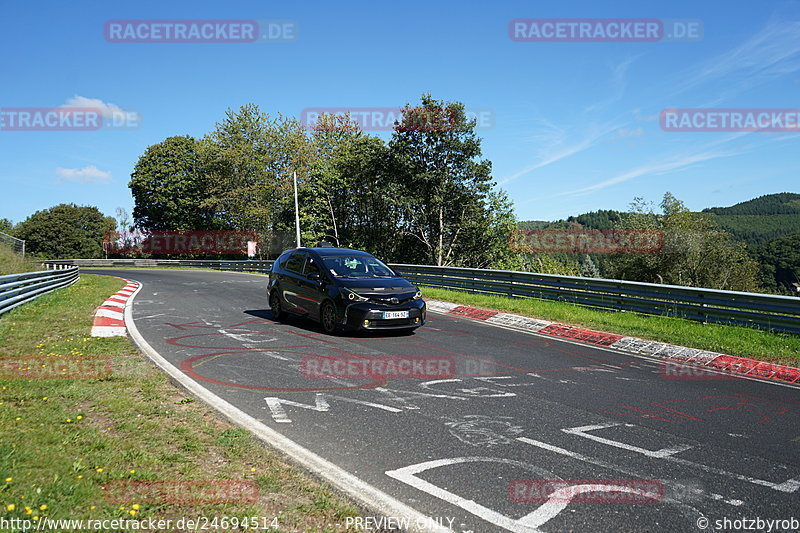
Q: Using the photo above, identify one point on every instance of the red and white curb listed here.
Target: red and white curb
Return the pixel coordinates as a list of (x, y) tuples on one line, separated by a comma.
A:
[(691, 356), (109, 320)]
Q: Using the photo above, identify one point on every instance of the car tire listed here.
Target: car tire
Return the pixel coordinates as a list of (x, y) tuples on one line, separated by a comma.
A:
[(275, 304), (327, 318)]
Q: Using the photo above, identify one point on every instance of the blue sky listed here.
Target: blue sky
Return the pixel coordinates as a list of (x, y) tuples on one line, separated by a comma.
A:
[(575, 124)]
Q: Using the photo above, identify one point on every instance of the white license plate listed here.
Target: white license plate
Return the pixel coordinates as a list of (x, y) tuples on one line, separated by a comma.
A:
[(388, 315)]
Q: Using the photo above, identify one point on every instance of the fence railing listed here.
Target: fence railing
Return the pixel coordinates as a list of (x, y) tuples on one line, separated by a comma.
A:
[(779, 313), (766, 311), (17, 245), (16, 289), (218, 264)]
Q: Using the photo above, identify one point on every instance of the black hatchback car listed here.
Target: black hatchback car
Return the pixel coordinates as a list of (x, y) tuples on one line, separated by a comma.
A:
[(343, 288)]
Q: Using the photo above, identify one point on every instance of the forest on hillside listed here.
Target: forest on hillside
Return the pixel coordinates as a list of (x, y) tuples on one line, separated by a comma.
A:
[(766, 228)]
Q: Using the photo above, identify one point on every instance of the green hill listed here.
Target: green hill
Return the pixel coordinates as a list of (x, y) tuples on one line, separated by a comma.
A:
[(761, 219), (755, 221)]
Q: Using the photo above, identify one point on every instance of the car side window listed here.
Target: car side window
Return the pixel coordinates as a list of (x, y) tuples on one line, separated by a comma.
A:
[(282, 260), (311, 266), (295, 263)]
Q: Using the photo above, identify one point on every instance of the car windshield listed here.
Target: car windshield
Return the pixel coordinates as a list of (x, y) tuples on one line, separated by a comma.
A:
[(356, 266)]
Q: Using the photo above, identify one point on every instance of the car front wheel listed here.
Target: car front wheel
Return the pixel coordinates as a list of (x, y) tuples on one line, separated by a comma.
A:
[(327, 318)]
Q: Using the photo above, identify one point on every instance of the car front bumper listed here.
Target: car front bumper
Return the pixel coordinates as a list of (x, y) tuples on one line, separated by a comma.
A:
[(369, 316)]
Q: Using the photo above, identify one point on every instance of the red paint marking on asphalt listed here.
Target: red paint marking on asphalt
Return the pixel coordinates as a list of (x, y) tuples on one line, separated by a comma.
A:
[(312, 337), (187, 367), (476, 358), (656, 415), (174, 342), (183, 327), (243, 323)]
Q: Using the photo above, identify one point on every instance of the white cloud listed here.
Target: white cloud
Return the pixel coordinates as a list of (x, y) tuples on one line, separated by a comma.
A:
[(625, 132), (108, 110), (557, 149), (89, 174)]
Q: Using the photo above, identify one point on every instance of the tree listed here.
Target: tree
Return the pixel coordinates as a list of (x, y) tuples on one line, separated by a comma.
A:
[(780, 263), (589, 268), (445, 190), (250, 158), (66, 231), (6, 225), (169, 187), (696, 252)]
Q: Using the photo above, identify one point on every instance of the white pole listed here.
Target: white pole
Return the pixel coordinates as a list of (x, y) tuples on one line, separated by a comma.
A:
[(296, 209)]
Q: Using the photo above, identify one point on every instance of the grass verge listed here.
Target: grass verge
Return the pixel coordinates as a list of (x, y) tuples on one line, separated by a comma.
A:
[(732, 340), (64, 439), (11, 263)]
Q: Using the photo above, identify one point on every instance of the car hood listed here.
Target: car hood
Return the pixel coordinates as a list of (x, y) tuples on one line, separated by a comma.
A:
[(378, 286)]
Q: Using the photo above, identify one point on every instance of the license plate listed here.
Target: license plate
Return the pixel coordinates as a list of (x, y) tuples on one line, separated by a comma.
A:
[(388, 315)]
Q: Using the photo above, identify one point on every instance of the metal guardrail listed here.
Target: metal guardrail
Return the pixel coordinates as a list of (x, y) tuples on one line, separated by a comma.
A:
[(766, 311), (217, 264), (17, 289)]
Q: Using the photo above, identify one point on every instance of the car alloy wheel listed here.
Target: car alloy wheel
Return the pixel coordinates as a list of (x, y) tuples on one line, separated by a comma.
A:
[(328, 318)]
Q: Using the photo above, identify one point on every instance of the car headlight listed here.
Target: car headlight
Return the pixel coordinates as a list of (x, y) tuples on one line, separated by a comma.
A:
[(352, 296), (418, 295)]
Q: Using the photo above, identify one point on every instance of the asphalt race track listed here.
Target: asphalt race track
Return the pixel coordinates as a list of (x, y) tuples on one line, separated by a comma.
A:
[(479, 448)]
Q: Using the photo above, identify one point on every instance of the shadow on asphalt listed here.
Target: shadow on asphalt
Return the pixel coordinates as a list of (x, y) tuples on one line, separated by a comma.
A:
[(311, 326)]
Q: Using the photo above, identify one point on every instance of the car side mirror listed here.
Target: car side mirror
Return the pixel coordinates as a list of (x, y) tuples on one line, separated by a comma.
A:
[(314, 276)]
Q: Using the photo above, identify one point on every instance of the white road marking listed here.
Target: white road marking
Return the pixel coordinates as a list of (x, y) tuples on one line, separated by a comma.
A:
[(582, 431), (529, 523), (610, 466), (321, 405), (789, 486), (279, 413)]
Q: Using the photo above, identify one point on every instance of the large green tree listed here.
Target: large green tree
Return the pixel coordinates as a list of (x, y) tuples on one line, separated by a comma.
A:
[(250, 158), (349, 195), (447, 196), (169, 187), (696, 252), (65, 231)]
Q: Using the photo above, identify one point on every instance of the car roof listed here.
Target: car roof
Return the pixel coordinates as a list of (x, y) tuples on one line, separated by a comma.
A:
[(330, 251)]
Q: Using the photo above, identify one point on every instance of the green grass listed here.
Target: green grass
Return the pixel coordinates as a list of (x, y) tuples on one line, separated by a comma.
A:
[(732, 340), (11, 263), (64, 439)]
